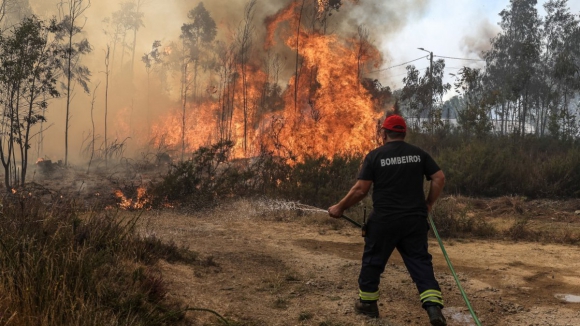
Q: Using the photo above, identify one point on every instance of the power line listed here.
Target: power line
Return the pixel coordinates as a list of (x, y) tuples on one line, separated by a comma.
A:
[(404, 63), (419, 69), (401, 64), (440, 56)]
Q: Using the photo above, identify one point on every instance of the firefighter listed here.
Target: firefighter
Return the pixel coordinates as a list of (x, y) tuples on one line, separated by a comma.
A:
[(399, 217)]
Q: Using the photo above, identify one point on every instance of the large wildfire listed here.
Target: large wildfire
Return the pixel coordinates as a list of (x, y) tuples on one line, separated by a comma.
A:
[(323, 109), (282, 77)]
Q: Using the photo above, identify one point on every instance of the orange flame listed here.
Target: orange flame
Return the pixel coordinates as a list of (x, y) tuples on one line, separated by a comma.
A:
[(326, 109), (127, 203)]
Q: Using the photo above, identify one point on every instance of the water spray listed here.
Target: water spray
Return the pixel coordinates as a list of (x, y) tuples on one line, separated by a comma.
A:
[(286, 205)]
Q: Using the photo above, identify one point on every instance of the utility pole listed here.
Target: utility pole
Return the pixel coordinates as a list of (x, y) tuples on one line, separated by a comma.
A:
[(430, 88)]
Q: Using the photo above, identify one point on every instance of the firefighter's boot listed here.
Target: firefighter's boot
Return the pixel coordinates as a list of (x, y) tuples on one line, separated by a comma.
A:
[(367, 308), (435, 316)]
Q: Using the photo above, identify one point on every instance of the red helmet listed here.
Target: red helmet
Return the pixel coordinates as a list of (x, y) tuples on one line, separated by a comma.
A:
[(395, 123)]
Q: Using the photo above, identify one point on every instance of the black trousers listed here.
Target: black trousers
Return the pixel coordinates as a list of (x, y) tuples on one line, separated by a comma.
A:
[(409, 236)]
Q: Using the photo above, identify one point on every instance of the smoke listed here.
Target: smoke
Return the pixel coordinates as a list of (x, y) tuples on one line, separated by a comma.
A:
[(479, 42), (382, 18), (129, 102), (14, 11)]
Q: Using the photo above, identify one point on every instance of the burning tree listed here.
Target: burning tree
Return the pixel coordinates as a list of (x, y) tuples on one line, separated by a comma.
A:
[(245, 34), (326, 95), (330, 99), (195, 37), (152, 60)]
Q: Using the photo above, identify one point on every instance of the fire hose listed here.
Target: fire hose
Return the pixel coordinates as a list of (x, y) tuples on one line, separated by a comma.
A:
[(463, 294)]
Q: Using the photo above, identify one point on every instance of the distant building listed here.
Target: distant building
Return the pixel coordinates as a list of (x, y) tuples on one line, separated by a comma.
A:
[(509, 127)]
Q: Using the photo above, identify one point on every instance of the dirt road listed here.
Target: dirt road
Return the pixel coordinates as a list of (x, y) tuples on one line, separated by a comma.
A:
[(260, 267)]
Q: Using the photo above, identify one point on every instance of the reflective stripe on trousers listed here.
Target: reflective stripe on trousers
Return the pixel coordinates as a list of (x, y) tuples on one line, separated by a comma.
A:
[(431, 296), (409, 236), (368, 296)]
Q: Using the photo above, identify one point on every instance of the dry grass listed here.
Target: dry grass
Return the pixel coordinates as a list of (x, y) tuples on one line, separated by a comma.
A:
[(508, 217), (61, 268)]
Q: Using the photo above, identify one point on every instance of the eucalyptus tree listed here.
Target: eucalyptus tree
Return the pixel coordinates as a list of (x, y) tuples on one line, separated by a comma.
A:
[(196, 38), (29, 64), (114, 31), (128, 18), (226, 56), (74, 46), (420, 93), (473, 117), (107, 78), (152, 60), (91, 147), (244, 40), (121, 20), (137, 24), (363, 47), (513, 64), (561, 67)]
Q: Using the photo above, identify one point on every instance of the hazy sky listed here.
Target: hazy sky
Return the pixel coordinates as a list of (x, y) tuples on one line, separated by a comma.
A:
[(445, 28)]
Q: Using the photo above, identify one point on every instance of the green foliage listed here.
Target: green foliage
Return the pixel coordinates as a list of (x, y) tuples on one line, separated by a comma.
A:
[(473, 116), (489, 167), (60, 268), (209, 177), (271, 174), (422, 95), (205, 178), (499, 166), (28, 70), (531, 75), (202, 29), (71, 50), (321, 182)]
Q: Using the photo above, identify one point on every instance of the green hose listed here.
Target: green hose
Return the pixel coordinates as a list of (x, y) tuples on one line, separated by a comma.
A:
[(453, 271)]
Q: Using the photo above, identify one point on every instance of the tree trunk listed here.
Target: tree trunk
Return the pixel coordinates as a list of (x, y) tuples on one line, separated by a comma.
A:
[(68, 97), (93, 124), (26, 141), (107, 72), (297, 78), (123, 44), (133, 50), (184, 102)]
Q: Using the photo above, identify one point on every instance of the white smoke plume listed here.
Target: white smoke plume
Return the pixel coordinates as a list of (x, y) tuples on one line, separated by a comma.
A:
[(479, 42)]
